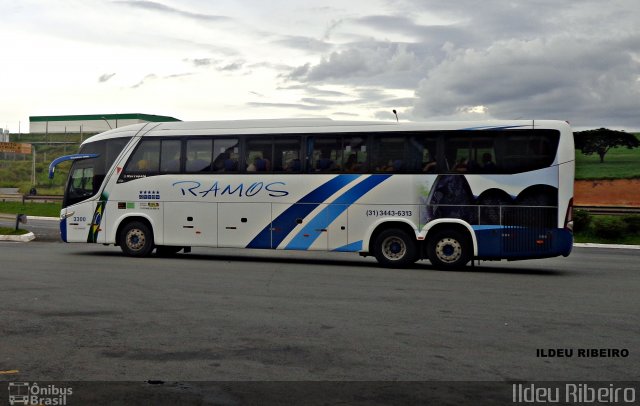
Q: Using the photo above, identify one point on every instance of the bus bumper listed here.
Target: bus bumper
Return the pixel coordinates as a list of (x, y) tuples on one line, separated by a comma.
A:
[(522, 243)]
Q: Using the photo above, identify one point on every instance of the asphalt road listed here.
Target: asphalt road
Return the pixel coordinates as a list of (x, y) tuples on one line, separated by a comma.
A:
[(78, 312), (44, 230)]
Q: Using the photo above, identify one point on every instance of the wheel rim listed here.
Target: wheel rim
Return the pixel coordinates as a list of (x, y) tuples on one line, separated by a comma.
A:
[(448, 250), (394, 248), (136, 239)]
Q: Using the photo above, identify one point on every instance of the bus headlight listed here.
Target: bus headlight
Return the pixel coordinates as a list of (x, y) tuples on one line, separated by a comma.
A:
[(66, 214)]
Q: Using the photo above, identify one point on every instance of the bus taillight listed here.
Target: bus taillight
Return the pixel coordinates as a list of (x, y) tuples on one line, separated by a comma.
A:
[(568, 220)]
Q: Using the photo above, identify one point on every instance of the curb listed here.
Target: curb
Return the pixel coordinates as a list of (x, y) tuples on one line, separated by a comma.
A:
[(18, 238), (615, 246), (42, 218)]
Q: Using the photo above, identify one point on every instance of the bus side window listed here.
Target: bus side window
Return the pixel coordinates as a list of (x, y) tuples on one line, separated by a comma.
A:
[(354, 154), (146, 159), (258, 154), (286, 156), (170, 156), (198, 155), (388, 153), (326, 154), (226, 155)]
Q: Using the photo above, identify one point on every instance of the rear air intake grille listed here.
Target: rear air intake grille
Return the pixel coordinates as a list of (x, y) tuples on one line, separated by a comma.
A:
[(528, 229)]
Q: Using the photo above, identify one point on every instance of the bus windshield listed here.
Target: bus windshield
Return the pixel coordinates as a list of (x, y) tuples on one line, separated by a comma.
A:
[(86, 175)]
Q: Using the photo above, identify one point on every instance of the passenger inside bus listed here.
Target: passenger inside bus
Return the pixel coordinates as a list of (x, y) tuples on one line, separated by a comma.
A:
[(487, 163), (352, 163), (324, 163), (461, 166), (294, 166)]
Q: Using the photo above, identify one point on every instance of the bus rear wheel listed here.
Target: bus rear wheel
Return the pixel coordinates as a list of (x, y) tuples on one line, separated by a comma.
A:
[(449, 249), (394, 248), (136, 239)]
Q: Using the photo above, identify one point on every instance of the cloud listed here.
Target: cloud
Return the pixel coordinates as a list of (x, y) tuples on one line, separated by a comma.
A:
[(234, 66), (303, 43), (148, 77), (557, 78), (370, 63), (197, 62), (105, 77), (159, 7), (286, 106)]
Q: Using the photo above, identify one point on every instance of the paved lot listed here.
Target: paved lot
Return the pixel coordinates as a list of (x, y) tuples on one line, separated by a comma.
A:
[(234, 327), (85, 312)]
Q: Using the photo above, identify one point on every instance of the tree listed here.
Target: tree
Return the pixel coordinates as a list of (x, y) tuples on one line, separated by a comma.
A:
[(600, 141)]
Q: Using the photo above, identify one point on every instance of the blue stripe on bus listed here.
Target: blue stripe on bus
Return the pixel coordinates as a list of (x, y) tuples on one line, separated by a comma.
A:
[(309, 233), (286, 221), (353, 247)]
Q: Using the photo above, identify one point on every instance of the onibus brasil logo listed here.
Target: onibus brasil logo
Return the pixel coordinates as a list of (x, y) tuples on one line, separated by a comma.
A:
[(25, 393)]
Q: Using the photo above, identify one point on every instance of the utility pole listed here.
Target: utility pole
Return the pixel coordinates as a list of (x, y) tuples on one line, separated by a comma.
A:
[(33, 168)]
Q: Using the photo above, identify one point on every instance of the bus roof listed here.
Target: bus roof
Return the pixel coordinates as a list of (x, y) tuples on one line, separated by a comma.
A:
[(314, 125)]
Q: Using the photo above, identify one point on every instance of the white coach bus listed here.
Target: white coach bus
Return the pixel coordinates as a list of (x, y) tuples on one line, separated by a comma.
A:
[(448, 192)]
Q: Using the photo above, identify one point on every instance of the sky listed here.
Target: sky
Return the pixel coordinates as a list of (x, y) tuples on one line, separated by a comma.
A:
[(348, 60)]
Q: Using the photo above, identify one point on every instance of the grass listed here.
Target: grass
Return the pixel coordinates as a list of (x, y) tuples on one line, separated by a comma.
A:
[(619, 163), (589, 237), (11, 231), (31, 208)]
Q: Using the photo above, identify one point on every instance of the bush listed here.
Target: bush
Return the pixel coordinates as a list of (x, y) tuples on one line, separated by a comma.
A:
[(581, 220), (632, 222), (609, 227)]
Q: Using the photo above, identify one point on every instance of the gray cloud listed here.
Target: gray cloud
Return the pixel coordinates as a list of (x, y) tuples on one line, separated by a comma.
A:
[(286, 105), (591, 83), (159, 7), (303, 43), (384, 63), (197, 62), (575, 60), (105, 77), (148, 77)]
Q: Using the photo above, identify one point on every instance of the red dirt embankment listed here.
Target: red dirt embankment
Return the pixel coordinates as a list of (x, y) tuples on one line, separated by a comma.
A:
[(619, 192)]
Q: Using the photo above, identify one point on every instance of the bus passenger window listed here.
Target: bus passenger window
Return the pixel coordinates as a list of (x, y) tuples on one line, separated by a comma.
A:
[(198, 156), (226, 155), (258, 154), (286, 156), (170, 156), (326, 153), (146, 159), (389, 153), (354, 154)]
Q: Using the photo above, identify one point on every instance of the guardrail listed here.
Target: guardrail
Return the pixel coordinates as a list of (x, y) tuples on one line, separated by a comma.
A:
[(10, 197), (611, 210), (41, 198)]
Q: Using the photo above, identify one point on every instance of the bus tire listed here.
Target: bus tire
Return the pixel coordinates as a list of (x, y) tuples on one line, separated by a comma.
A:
[(394, 248), (449, 249), (136, 239)]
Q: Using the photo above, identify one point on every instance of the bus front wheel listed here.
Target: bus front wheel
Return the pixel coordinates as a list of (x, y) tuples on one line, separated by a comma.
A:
[(394, 248), (449, 249), (136, 239)]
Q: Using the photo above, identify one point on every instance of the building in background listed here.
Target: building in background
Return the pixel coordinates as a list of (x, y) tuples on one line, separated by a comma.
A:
[(89, 123)]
